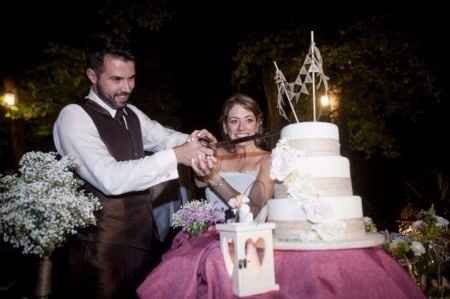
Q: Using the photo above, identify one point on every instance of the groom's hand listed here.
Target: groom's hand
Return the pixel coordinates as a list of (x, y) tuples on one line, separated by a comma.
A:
[(204, 136), (193, 149), (206, 168)]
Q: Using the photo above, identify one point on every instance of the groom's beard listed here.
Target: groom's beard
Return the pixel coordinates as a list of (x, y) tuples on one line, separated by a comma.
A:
[(109, 100)]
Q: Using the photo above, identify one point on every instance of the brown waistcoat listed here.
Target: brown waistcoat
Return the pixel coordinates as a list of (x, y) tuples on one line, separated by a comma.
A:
[(118, 249)]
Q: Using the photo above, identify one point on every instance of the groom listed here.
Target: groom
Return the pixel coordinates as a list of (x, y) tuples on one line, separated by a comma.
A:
[(108, 136)]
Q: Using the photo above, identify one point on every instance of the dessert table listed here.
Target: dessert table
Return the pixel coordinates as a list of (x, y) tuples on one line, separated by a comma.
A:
[(195, 268)]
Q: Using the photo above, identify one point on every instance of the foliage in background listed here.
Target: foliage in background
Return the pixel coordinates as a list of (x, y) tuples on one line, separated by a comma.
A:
[(123, 16), (426, 190), (45, 88), (377, 76), (423, 248)]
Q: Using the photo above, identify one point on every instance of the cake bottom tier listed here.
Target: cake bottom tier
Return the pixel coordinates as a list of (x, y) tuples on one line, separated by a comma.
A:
[(363, 241)]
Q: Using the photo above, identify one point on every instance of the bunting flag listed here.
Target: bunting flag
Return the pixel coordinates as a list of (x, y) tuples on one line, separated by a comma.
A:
[(287, 89), (310, 74), (281, 81)]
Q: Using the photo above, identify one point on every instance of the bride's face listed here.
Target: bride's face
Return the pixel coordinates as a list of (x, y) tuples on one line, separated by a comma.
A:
[(240, 123)]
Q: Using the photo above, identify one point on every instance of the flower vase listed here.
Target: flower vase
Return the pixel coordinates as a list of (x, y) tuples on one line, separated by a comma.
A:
[(44, 278)]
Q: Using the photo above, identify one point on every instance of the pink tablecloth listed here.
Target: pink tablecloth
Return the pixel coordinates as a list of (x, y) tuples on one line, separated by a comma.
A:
[(194, 268)]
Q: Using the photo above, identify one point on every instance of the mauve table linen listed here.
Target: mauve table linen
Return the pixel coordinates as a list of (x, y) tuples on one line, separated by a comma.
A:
[(194, 268)]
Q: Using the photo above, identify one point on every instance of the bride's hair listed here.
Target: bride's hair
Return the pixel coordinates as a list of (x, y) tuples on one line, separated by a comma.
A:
[(248, 104)]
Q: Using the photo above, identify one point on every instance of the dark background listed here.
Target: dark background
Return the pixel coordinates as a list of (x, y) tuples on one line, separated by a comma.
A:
[(191, 59), (188, 65), (196, 47)]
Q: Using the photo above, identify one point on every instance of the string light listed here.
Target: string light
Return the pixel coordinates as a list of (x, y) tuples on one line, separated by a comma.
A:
[(325, 101), (9, 99)]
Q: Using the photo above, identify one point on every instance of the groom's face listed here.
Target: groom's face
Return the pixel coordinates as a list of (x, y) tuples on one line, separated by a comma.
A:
[(115, 81)]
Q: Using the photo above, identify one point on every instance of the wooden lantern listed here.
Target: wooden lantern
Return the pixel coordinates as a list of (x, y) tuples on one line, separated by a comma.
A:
[(247, 249)]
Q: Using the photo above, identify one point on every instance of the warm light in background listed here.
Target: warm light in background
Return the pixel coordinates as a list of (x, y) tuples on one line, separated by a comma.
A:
[(9, 99), (325, 101)]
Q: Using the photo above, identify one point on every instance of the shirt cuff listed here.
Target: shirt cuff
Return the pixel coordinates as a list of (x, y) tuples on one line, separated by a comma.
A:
[(167, 166)]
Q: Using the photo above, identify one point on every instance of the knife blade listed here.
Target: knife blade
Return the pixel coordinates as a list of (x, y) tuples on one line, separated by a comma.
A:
[(233, 142)]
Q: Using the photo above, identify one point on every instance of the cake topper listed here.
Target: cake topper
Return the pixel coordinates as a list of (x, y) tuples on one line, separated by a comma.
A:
[(311, 69)]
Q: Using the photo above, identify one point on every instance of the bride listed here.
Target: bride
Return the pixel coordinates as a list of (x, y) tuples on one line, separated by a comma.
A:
[(243, 168)]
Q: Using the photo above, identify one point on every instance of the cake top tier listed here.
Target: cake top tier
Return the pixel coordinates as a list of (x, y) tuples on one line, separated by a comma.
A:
[(310, 129)]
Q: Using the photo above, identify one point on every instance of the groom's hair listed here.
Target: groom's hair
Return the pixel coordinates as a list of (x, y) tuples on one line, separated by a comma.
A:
[(100, 45)]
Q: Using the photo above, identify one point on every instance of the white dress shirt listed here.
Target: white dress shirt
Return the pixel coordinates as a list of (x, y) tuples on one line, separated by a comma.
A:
[(76, 135)]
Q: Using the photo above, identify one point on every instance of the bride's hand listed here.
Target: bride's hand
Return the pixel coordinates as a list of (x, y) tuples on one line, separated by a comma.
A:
[(205, 167)]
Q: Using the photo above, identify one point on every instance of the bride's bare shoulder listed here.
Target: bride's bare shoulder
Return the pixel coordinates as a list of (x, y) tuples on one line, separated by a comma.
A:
[(264, 154)]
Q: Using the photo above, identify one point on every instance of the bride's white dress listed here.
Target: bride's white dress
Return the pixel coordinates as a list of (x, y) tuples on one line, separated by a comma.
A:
[(240, 181)]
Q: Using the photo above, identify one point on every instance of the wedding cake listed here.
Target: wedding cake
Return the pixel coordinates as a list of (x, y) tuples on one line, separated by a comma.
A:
[(314, 206)]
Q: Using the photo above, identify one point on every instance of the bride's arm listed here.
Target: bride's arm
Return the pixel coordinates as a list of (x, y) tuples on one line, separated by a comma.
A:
[(262, 189), (207, 171)]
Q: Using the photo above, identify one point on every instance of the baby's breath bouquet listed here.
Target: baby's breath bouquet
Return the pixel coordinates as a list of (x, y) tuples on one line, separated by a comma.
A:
[(423, 248), (196, 216), (43, 204)]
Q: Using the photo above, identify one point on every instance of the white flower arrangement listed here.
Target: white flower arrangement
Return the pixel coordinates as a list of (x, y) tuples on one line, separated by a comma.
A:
[(43, 204)]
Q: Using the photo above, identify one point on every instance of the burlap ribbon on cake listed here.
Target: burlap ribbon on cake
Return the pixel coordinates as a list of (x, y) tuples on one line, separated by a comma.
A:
[(316, 146)]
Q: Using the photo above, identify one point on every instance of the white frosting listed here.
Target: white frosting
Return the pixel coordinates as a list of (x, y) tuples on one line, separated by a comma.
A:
[(313, 130), (343, 207), (324, 167)]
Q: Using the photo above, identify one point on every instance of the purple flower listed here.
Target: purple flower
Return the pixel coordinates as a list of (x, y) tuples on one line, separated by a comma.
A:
[(196, 216)]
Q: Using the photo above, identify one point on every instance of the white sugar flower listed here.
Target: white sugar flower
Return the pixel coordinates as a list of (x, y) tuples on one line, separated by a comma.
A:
[(284, 159), (299, 185), (330, 231), (318, 211)]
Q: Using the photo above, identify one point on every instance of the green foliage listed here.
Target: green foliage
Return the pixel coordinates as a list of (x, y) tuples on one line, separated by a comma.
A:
[(256, 52), (422, 247), (430, 189), (46, 87), (124, 16)]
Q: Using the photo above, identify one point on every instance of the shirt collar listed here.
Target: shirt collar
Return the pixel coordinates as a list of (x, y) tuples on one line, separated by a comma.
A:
[(95, 98)]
